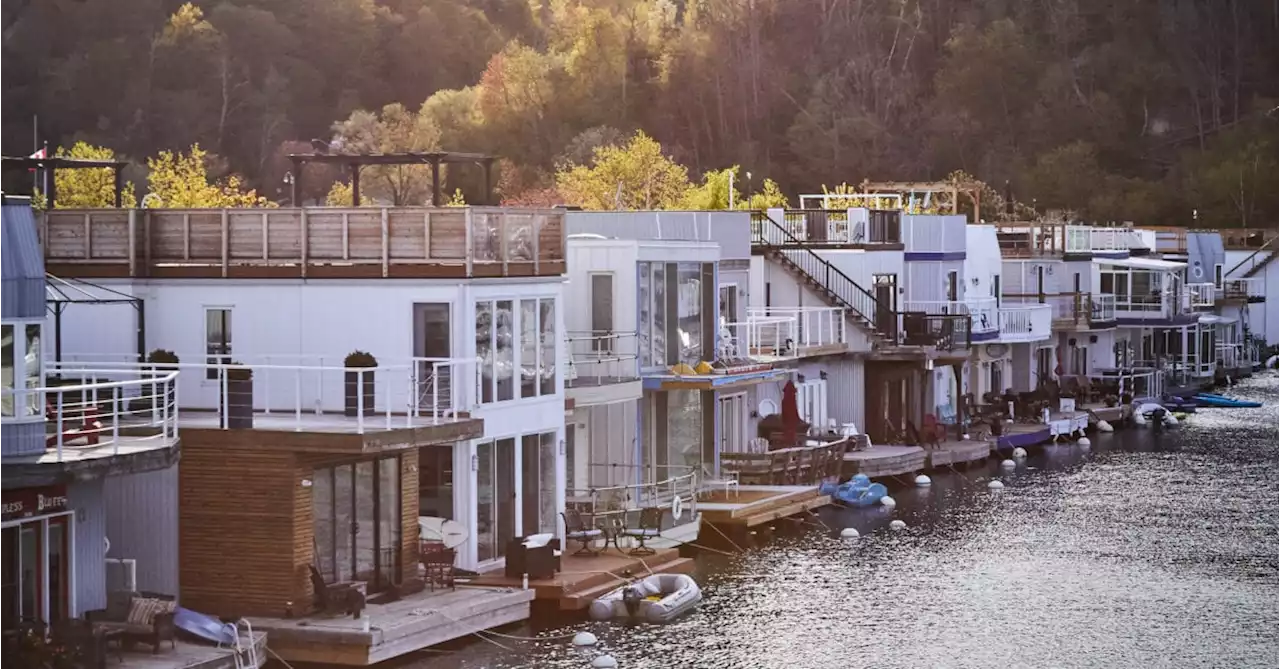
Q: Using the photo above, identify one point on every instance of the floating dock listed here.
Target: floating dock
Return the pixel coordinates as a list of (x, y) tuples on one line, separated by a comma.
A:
[(962, 452), (583, 578), (877, 461)]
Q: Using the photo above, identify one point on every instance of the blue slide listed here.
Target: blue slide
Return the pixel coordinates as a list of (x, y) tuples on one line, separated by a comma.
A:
[(1219, 401)]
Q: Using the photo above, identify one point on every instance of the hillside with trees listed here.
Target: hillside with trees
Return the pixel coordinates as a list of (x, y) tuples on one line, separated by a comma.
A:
[(1145, 110)]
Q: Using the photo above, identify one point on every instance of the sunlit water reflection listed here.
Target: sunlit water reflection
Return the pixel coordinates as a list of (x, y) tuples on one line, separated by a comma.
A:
[(1149, 549)]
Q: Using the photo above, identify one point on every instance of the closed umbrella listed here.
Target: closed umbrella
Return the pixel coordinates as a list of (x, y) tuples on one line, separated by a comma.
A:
[(790, 414)]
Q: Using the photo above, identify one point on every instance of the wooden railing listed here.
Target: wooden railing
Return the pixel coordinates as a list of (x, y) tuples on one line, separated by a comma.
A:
[(399, 242), (800, 465)]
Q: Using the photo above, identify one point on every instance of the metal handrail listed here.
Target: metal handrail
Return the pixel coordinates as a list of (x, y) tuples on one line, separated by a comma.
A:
[(618, 500), (146, 407), (601, 355), (817, 326)]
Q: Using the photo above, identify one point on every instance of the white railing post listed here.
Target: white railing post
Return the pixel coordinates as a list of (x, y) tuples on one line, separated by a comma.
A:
[(435, 393), (173, 382), (115, 420), (359, 398), (60, 426), (164, 411)]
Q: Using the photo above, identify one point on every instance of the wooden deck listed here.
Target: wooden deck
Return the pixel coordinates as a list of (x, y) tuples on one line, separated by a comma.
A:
[(882, 460), (756, 505), (583, 578), (957, 452), (189, 655), (391, 630), (322, 242)]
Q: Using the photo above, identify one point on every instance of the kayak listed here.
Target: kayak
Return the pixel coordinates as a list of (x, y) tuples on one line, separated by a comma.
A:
[(1219, 401)]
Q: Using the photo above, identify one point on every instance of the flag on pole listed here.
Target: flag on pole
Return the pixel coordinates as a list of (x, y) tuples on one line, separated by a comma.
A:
[(39, 154)]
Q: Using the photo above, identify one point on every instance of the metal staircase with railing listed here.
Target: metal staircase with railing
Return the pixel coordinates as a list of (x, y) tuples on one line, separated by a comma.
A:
[(1256, 260), (775, 242)]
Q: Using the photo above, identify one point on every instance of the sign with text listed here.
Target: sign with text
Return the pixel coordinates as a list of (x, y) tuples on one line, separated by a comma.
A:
[(29, 502)]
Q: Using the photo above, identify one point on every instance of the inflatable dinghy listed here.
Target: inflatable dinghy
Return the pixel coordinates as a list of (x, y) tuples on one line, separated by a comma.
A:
[(857, 491), (657, 598), (1220, 401)]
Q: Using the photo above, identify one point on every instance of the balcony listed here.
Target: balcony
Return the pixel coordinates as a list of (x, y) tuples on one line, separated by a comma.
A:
[(834, 227), (1244, 290), (764, 339), (1072, 311), (1201, 295), (1048, 239), (602, 367), (1026, 322), (619, 492), (982, 312), (93, 426), (819, 330), (1167, 307), (292, 243), (420, 399)]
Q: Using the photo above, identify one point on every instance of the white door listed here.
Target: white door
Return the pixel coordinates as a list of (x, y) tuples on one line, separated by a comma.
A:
[(733, 424)]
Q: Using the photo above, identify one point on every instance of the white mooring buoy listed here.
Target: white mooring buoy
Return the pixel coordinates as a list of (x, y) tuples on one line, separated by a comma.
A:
[(888, 502), (848, 533), (1083, 441), (923, 480), (995, 485), (898, 525), (1104, 426), (1008, 464), (604, 662), (1019, 452), (584, 639)]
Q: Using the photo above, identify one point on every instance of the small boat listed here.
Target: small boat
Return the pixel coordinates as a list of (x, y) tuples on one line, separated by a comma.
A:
[(657, 598), (205, 627), (1220, 401), (1183, 404), (857, 491)]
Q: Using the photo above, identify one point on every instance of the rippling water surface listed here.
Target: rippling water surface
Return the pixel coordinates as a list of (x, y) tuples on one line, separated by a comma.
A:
[(1150, 549)]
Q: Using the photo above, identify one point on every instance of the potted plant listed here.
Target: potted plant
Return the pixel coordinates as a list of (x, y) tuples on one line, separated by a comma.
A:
[(359, 385), (238, 413), (162, 362)]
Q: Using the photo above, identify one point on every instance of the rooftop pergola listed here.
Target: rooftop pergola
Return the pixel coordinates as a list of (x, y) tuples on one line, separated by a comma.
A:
[(55, 164), (352, 163), (953, 189)]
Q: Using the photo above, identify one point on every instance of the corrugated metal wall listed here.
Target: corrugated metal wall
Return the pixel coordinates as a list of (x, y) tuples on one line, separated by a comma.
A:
[(22, 269), (91, 579), (142, 523), (611, 433), (22, 438), (927, 280), (731, 230)]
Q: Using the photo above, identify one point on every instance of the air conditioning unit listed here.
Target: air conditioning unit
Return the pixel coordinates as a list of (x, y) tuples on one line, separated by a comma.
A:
[(122, 574)]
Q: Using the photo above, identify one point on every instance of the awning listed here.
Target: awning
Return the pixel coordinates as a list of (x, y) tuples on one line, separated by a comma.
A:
[(1211, 319), (1149, 264)]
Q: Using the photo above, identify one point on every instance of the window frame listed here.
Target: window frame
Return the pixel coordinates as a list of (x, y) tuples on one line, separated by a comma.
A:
[(224, 344), (20, 387)]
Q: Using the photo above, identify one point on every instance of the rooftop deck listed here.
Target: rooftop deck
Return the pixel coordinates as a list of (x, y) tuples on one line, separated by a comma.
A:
[(386, 631), (189, 655), (319, 242)]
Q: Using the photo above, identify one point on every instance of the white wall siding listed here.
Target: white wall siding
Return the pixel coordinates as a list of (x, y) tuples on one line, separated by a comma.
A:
[(981, 261), (926, 280), (731, 230), (142, 523), (588, 258), (930, 233)]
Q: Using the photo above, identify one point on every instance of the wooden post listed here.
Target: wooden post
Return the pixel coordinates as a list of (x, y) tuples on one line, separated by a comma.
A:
[(118, 184), (295, 183), (346, 239), (88, 237), (265, 240), (355, 185), (435, 182), (539, 222), (133, 240), (426, 235), (386, 246), (302, 238), (466, 243), (186, 236), (502, 243), (226, 250)]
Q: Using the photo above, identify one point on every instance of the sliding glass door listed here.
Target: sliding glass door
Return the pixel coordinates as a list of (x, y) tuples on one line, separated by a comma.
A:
[(357, 516), (496, 498)]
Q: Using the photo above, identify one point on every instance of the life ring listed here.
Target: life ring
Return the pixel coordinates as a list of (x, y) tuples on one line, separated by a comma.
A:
[(106, 545), (677, 507), (1197, 271)]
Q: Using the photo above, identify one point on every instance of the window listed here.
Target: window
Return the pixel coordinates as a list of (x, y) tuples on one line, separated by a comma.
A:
[(547, 326), (356, 515), (217, 332), (728, 304), (644, 298), (504, 350), (484, 348), (689, 312), (1044, 365), (996, 381), (995, 289), (1217, 275), (499, 335), (602, 312), (529, 383), (23, 359)]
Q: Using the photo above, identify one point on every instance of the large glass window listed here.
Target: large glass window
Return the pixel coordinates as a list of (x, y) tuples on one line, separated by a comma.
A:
[(495, 495), (659, 331), (484, 348), (602, 312), (644, 295), (538, 483), (529, 384), (504, 334), (23, 369), (547, 325), (684, 430), (689, 311), (356, 510)]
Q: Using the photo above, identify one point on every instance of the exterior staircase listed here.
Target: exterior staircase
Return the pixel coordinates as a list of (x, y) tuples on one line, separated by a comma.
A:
[(775, 242), (1256, 261)]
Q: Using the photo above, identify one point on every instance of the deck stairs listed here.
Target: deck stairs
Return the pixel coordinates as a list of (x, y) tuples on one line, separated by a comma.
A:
[(1256, 261), (775, 242)]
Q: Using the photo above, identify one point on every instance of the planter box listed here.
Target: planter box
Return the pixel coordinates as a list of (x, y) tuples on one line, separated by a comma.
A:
[(353, 390), (238, 414)]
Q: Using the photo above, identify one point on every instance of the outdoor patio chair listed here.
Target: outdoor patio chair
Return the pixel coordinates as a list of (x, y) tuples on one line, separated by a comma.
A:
[(346, 597), (576, 530), (649, 526), (151, 624), (437, 562)]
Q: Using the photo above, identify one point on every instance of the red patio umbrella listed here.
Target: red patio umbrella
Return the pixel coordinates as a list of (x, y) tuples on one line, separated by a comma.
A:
[(790, 414)]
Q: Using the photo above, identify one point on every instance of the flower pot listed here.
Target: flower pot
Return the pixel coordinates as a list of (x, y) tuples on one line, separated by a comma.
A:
[(353, 392), (238, 413)]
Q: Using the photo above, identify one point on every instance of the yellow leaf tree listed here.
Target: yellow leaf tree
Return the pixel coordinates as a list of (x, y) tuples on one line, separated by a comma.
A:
[(181, 181), (90, 187), (769, 196), (635, 176), (340, 196)]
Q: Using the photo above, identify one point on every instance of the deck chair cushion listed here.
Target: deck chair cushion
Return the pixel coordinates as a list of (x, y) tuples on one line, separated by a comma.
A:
[(640, 532), (584, 534)]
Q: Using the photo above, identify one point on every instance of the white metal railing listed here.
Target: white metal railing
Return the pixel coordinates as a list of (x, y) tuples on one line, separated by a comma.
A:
[(422, 391), (982, 311), (760, 337), (1160, 305), (1202, 294), (1026, 322), (641, 488), (1240, 289), (1137, 381), (816, 326), (1102, 307), (1232, 355), (87, 410), (599, 357)]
